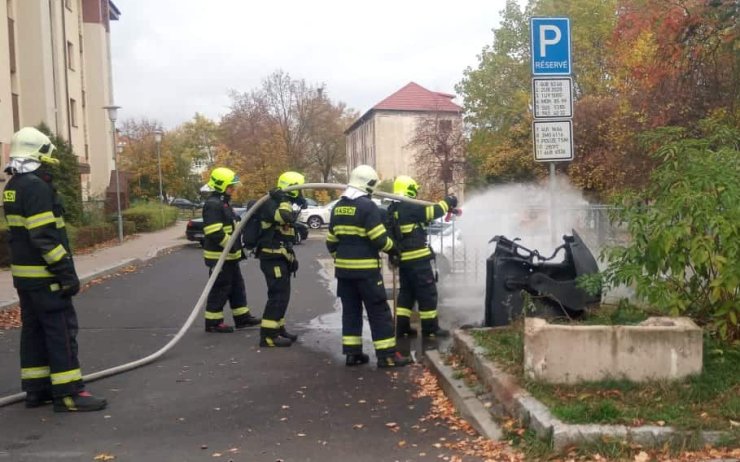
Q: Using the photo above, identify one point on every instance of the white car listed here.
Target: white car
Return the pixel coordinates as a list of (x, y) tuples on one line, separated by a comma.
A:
[(316, 217)]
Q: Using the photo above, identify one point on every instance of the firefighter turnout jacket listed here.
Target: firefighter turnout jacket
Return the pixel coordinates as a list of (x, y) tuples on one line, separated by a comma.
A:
[(218, 226), (277, 232), (39, 247), (412, 220), (356, 236)]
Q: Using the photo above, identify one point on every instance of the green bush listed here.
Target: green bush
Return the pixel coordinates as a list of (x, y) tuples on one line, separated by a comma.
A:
[(685, 230), (150, 217)]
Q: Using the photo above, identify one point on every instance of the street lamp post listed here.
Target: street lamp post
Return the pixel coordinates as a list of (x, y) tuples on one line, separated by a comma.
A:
[(158, 140), (113, 115)]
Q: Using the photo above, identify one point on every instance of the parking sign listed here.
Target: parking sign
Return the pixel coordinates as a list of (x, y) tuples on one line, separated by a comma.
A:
[(550, 41)]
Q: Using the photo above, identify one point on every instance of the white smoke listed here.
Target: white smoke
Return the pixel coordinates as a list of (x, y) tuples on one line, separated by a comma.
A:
[(534, 213)]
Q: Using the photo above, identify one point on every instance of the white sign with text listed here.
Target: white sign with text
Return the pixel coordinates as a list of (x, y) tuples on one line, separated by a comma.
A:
[(553, 98), (553, 140)]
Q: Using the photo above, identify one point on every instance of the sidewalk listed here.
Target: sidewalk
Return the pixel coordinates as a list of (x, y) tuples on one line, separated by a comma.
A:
[(134, 250)]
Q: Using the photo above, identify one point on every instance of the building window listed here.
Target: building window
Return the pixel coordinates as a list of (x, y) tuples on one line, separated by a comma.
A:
[(70, 56), (445, 126), (73, 112), (11, 42), (16, 113)]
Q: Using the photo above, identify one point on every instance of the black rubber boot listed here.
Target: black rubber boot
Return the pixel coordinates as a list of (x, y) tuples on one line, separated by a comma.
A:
[(38, 398), (222, 328), (357, 359), (285, 334), (397, 360), (439, 333), (403, 327), (247, 320), (271, 342), (81, 402)]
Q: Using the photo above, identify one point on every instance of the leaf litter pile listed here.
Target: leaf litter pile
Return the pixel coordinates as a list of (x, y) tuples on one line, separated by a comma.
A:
[(443, 412), (471, 444)]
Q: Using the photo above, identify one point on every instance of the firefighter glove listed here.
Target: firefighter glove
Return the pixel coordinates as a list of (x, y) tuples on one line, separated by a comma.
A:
[(293, 266), (301, 202), (69, 283), (451, 201)]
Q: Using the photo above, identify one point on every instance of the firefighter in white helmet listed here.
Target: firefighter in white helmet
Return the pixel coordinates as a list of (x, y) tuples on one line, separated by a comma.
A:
[(355, 239), (44, 276)]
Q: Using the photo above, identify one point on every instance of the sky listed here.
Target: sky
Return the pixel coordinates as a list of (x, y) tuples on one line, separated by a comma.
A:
[(173, 58)]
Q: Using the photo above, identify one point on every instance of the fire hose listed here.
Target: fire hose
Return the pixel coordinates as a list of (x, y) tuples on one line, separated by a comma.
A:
[(4, 401)]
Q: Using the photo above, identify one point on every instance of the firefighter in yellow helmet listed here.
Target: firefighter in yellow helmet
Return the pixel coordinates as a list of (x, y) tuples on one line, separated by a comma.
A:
[(44, 276), (417, 280), (277, 258), (219, 221), (355, 239)]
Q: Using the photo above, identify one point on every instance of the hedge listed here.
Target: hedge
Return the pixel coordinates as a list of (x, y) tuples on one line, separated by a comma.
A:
[(150, 217)]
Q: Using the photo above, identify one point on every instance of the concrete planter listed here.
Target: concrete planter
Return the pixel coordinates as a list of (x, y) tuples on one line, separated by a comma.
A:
[(518, 403), (656, 349)]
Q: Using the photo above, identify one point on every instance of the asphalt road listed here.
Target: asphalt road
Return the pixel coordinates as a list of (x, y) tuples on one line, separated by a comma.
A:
[(216, 396)]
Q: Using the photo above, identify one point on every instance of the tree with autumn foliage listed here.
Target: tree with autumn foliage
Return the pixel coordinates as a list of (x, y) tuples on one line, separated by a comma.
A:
[(139, 161), (286, 124), (439, 145), (638, 65)]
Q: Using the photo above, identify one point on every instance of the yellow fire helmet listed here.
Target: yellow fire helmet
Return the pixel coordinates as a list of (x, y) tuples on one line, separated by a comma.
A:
[(222, 178), (405, 186), (30, 143), (290, 179)]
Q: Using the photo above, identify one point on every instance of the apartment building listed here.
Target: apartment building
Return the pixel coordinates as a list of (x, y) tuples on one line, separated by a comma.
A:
[(55, 68), (381, 137)]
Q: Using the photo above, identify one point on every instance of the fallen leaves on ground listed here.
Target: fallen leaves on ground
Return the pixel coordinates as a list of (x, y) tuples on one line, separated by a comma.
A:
[(10, 318), (104, 456), (471, 444)]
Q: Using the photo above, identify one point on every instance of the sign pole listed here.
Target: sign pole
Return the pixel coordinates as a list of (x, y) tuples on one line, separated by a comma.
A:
[(552, 101)]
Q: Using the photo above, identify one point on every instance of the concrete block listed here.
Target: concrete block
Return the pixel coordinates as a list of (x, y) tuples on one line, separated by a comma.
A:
[(657, 349)]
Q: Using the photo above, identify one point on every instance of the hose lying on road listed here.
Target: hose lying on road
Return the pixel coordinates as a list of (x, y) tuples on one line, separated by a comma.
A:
[(211, 280)]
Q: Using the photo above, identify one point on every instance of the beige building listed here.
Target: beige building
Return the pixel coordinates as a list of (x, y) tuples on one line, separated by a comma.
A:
[(55, 68), (381, 137)]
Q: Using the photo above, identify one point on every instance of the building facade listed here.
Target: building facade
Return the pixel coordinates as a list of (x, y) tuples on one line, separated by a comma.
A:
[(55, 68), (382, 136)]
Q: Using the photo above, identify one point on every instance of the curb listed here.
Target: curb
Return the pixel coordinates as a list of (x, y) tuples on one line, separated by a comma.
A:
[(463, 398), (109, 270), (535, 415)]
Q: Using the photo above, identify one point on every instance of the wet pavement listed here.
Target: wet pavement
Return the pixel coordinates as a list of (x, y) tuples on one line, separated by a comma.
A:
[(220, 396)]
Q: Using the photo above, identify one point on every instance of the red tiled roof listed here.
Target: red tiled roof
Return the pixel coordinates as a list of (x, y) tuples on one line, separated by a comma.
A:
[(414, 97)]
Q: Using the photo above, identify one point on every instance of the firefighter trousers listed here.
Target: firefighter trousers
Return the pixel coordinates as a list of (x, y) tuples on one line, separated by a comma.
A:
[(49, 343), (277, 277), (229, 286), (370, 292), (417, 285)]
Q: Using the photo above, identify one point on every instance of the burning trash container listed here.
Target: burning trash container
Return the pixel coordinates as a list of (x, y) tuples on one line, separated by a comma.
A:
[(513, 268)]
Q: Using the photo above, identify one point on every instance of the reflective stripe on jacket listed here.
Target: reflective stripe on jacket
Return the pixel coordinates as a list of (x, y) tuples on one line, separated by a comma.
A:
[(39, 246), (412, 220), (355, 238), (218, 226), (278, 233)]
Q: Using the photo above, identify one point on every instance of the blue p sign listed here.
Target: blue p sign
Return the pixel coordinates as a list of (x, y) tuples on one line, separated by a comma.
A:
[(550, 40)]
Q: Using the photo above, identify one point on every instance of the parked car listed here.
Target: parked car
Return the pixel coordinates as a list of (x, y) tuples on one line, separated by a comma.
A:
[(186, 204), (194, 228), (316, 217)]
